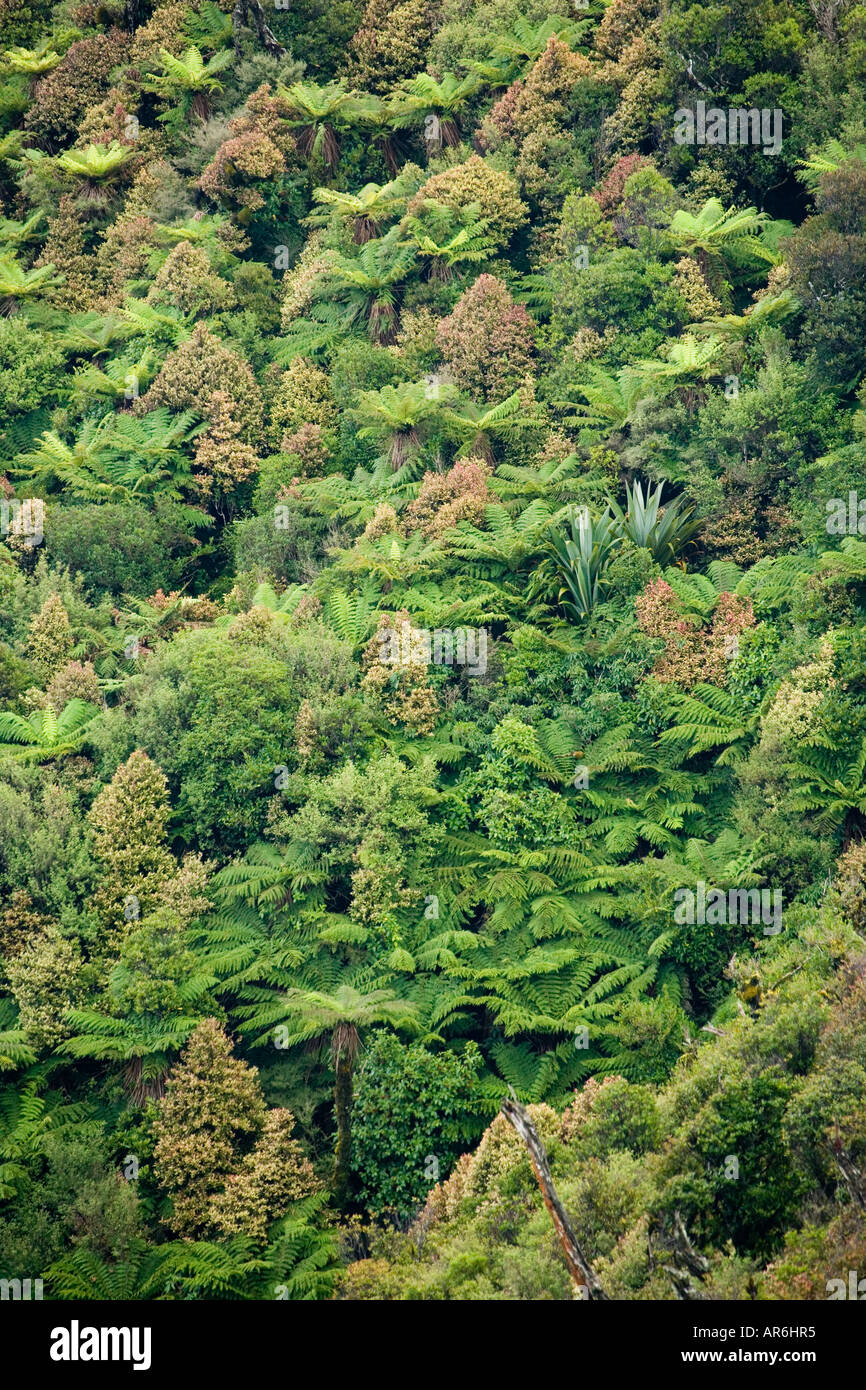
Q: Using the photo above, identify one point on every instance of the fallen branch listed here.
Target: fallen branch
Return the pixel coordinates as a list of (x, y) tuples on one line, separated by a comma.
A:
[(583, 1277), (827, 13), (670, 1248), (689, 66), (851, 1175)]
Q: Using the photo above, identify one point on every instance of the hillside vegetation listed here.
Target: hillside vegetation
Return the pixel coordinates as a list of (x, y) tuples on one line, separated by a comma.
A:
[(432, 653)]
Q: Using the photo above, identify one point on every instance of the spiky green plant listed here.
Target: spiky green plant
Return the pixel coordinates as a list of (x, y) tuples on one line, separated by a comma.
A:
[(826, 160), (736, 329), (475, 426), (118, 457), (830, 784), (582, 558), (609, 398), (92, 334), (338, 1021), (664, 531), (722, 241), (17, 284), (363, 289), (448, 239), (527, 42), (684, 367), (398, 416), (14, 234), (369, 209), (33, 62)]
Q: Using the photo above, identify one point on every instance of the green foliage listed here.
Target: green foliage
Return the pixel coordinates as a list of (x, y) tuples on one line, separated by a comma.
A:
[(29, 368), (665, 532), (450, 552), (582, 559), (415, 1112), (46, 734), (119, 547), (221, 734), (96, 163)]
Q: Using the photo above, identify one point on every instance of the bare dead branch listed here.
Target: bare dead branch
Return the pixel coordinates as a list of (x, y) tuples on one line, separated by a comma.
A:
[(583, 1277), (251, 14)]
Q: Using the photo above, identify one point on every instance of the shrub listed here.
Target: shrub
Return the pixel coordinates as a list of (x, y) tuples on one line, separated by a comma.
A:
[(461, 494), (195, 372), (415, 1111), (115, 547), (303, 397), (534, 119), (609, 193), (187, 281), (30, 365), (475, 181), (390, 44), (486, 340), (64, 95), (50, 638)]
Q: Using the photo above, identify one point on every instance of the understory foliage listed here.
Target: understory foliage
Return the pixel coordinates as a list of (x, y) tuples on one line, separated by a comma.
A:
[(432, 592)]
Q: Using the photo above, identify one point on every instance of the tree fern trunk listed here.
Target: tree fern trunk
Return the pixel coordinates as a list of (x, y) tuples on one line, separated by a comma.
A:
[(343, 1114)]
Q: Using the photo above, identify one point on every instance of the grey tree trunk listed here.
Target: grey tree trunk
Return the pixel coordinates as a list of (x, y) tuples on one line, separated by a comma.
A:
[(250, 12), (671, 1249)]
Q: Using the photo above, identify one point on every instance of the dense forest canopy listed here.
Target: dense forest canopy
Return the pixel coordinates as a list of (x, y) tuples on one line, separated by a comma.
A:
[(432, 654)]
